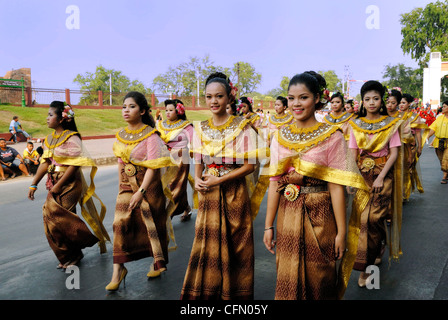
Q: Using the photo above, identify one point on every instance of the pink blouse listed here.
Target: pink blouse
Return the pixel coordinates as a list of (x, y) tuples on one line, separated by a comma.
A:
[(393, 142)]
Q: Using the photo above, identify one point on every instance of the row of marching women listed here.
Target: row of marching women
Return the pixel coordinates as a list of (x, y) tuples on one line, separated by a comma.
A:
[(305, 168)]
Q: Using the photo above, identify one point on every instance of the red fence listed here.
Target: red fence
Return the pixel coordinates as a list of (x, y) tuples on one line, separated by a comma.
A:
[(89, 99)]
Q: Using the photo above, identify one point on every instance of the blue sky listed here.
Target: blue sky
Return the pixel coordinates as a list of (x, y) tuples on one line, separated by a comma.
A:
[(143, 38)]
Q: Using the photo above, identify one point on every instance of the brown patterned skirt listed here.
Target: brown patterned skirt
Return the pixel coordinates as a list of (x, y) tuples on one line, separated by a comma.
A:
[(306, 232), (66, 233), (142, 232), (221, 265), (372, 225), (178, 188)]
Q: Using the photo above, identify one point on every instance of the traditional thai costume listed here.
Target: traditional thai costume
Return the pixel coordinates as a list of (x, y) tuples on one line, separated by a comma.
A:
[(221, 265), (141, 232), (413, 125), (306, 225), (341, 121), (177, 136), (275, 122), (66, 233), (373, 140), (440, 143)]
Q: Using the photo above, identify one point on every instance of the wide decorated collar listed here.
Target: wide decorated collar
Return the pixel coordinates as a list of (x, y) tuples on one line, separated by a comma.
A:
[(54, 140), (280, 120), (134, 136), (301, 139), (228, 130), (373, 126), (331, 119), (169, 130)]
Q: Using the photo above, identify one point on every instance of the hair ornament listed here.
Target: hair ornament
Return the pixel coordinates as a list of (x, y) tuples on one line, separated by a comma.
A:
[(180, 108), (68, 112)]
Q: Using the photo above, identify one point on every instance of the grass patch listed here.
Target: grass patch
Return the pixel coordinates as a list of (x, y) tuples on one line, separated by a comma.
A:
[(90, 122)]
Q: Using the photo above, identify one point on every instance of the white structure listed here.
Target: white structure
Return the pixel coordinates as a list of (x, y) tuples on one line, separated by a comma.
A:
[(432, 77)]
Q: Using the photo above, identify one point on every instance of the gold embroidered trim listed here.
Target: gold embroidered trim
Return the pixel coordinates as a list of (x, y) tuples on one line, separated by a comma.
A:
[(279, 121), (127, 136), (299, 139), (344, 117), (373, 126), (58, 142), (222, 126)]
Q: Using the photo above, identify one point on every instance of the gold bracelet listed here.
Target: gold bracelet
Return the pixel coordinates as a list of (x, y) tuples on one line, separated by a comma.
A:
[(142, 190)]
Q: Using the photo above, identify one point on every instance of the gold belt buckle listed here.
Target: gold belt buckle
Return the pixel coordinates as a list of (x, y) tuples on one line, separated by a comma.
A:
[(291, 192), (130, 170)]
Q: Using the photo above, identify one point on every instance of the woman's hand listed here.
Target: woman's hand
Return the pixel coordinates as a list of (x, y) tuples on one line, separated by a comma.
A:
[(377, 185), (268, 240), (31, 194), (339, 246), (135, 200), (207, 182)]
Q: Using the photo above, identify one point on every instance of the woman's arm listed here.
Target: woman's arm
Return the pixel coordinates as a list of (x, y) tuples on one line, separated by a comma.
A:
[(338, 204), (271, 213), (71, 170), (209, 181), (138, 196), (41, 171), (378, 183)]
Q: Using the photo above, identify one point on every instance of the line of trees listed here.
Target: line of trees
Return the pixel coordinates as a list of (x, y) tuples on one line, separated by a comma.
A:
[(424, 30)]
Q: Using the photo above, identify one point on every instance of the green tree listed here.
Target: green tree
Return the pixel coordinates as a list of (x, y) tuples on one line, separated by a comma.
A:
[(100, 81), (334, 84), (184, 77), (408, 79), (425, 30), (245, 77), (282, 90)]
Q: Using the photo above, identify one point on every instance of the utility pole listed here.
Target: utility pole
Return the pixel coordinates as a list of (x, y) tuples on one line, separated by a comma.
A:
[(238, 79), (110, 88)]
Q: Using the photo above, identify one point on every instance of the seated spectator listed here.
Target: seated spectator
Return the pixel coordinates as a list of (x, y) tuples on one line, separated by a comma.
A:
[(31, 158), (15, 127), (10, 159)]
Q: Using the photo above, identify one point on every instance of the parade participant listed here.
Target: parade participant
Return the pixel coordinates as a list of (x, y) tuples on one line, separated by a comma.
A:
[(140, 222), (62, 159), (439, 128), (412, 138), (280, 118), (338, 116), (244, 107), (223, 146), (309, 166), (10, 160), (349, 107), (375, 144), (392, 103), (176, 131)]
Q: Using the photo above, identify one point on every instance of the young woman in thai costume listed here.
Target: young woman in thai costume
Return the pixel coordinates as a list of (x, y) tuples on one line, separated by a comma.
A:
[(338, 116), (176, 131), (439, 128), (280, 118), (415, 132), (61, 161), (375, 144), (309, 168), (140, 222), (221, 265), (393, 102), (244, 107)]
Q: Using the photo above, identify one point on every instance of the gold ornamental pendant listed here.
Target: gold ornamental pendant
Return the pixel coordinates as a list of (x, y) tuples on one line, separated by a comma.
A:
[(213, 172), (368, 163), (130, 169), (291, 192)]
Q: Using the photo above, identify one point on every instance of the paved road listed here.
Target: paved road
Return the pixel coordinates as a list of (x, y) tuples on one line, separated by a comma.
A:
[(28, 266)]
